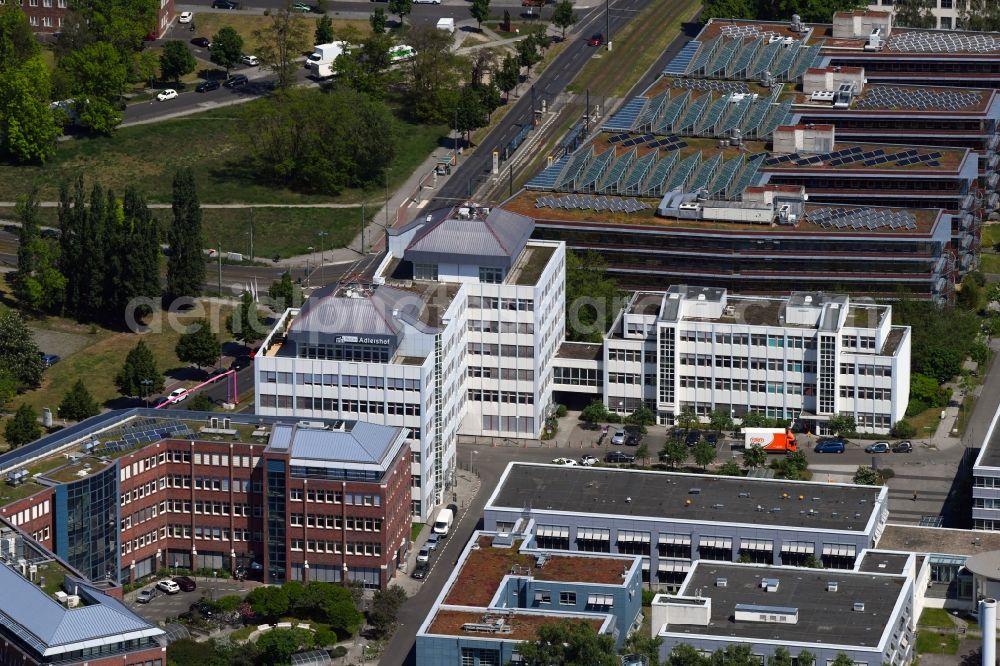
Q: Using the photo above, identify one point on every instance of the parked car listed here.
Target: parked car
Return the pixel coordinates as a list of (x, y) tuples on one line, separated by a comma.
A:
[(205, 86), (146, 595), (420, 571), (185, 17), (693, 437), (178, 395), (169, 586), (236, 80), (433, 540), (830, 446), (48, 360), (596, 39), (168, 93), (302, 7), (250, 60), (712, 438), (618, 457), (902, 447), (424, 555), (240, 362), (569, 462), (618, 438), (878, 447), (185, 583), (201, 42), (588, 460), (223, 4), (633, 439)]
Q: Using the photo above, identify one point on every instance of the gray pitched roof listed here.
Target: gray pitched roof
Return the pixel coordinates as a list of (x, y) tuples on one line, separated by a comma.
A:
[(365, 443), (50, 628), (500, 234), (330, 311)]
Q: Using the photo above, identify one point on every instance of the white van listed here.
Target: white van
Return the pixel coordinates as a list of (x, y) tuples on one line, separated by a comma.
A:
[(443, 523)]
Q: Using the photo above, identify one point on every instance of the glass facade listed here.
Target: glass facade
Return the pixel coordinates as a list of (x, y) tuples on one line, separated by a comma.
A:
[(276, 493), (87, 525)]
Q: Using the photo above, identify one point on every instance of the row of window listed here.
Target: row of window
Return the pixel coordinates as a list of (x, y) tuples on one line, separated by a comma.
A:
[(865, 392), (747, 363), (331, 404), (31, 513), (324, 522), (867, 370), (488, 326), (745, 385), (754, 339), (576, 376), (624, 355), (476, 371), (513, 351), (346, 381), (522, 424), (858, 342), (344, 352), (41, 535), (513, 397), (363, 548), (494, 303)]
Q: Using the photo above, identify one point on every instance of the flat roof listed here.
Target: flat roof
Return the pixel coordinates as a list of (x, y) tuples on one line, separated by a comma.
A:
[(880, 561), (519, 625), (486, 565), (531, 264), (667, 495), (824, 617), (359, 444), (941, 540), (906, 100), (990, 454), (583, 351), (884, 158)]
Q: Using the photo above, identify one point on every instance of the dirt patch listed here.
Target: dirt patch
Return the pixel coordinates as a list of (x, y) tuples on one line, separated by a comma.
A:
[(61, 343)]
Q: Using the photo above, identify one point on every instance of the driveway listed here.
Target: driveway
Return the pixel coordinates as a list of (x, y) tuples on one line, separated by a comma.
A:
[(165, 606)]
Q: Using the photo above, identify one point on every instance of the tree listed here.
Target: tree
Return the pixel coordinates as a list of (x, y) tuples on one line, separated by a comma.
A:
[(674, 452), (432, 94), (137, 253), (186, 264), (321, 141), (176, 60), (794, 465), (563, 16), (842, 424), (927, 392), (401, 8), (641, 417), (719, 420), (367, 69), (244, 323), (842, 660), (807, 658), (268, 602), (8, 388), (971, 295), (527, 53), (754, 456), (687, 418), (199, 345), (280, 43), (595, 412), (378, 21), (642, 453), (470, 114), (78, 404), (704, 454), (97, 74), (201, 403), (983, 15), (754, 420), (645, 646), (385, 609), (324, 30), (227, 47), (146, 66), (734, 654), (480, 10), (570, 643), (278, 645), (18, 352), (683, 654), (903, 429), (915, 14), (284, 293), (139, 367), (781, 657), (592, 298), (37, 283), (508, 75), (867, 476), (23, 427), (729, 468)]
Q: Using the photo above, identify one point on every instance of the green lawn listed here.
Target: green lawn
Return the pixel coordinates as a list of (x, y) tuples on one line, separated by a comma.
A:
[(990, 262), (930, 643), (936, 617), (926, 422), (991, 235), (241, 635), (415, 530), (212, 144)]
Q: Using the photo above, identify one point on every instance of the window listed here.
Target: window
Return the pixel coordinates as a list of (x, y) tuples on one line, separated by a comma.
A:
[(425, 271), (543, 597), (945, 20), (567, 598), (490, 274)]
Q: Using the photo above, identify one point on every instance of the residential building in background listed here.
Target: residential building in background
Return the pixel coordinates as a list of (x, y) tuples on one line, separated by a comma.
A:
[(46, 16), (806, 358), (132, 493), (946, 13), (453, 332), (51, 613)]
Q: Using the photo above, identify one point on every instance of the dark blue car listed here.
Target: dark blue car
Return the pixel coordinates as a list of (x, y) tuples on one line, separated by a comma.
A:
[(829, 446)]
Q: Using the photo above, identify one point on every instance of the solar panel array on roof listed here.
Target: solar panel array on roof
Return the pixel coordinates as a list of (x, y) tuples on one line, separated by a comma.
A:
[(682, 60), (745, 30), (717, 86), (143, 431), (868, 219), (943, 42), (546, 180), (625, 119), (918, 99), (588, 202)]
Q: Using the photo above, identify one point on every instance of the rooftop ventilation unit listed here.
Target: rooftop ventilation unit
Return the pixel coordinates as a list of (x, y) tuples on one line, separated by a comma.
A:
[(796, 24), (859, 606), (721, 582), (694, 491), (874, 40), (832, 586), (769, 584)]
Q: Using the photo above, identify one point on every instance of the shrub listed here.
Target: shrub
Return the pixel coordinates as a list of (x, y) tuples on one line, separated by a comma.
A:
[(904, 429), (647, 597), (561, 411), (887, 473)]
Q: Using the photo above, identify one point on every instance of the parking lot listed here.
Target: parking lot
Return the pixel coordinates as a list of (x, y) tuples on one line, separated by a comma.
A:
[(164, 606)]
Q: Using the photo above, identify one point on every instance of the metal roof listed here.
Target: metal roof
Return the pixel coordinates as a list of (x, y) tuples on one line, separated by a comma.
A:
[(330, 310), (50, 628), (501, 233), (364, 443)]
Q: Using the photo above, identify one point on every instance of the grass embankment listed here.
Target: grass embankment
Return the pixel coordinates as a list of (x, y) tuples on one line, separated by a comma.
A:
[(208, 24), (634, 49)]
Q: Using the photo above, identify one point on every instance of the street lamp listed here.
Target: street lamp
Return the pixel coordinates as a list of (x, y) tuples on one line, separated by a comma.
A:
[(146, 383), (310, 251), (322, 256)]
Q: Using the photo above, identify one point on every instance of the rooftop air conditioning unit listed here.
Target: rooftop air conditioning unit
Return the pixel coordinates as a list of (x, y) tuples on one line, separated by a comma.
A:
[(859, 606), (831, 586), (72, 601), (796, 25), (874, 40)]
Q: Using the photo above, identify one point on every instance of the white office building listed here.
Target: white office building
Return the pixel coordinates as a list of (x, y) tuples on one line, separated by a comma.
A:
[(806, 357), (453, 333)]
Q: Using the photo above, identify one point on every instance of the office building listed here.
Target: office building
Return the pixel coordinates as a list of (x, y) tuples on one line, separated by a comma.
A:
[(945, 13), (51, 614), (986, 480), (131, 493), (806, 358), (454, 332), (674, 520), (46, 16), (503, 589), (869, 616)]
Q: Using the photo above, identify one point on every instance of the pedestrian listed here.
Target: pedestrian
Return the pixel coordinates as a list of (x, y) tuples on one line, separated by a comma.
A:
[(914, 495)]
